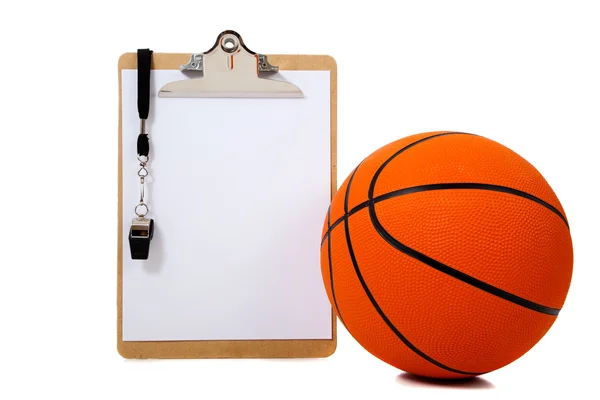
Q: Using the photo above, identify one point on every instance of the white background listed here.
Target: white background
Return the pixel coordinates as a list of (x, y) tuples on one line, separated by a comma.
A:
[(525, 73)]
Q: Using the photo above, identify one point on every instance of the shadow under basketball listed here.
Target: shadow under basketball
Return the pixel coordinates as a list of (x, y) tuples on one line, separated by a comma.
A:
[(407, 379)]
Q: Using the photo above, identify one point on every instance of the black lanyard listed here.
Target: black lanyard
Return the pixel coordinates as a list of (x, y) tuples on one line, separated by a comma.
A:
[(144, 58), (142, 228)]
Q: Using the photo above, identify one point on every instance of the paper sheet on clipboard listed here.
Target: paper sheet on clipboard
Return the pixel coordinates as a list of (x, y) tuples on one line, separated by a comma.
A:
[(239, 189)]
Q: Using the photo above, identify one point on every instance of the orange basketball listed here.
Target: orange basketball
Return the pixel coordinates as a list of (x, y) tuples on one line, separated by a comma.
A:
[(446, 255)]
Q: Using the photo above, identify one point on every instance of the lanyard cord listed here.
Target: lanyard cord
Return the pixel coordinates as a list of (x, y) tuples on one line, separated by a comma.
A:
[(144, 58), (142, 228)]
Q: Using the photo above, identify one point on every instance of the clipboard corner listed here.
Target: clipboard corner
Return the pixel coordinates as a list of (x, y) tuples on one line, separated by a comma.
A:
[(123, 350), (126, 60), (332, 347), (330, 63)]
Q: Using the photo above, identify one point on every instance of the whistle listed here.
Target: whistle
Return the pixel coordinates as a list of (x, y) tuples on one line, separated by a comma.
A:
[(140, 235)]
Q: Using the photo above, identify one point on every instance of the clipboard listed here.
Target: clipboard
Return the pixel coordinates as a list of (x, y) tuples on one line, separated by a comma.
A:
[(241, 76)]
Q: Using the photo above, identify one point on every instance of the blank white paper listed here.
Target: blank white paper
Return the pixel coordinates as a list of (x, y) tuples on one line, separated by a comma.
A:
[(239, 190)]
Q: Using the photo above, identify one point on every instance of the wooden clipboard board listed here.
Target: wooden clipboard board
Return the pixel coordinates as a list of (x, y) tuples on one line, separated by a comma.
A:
[(223, 348)]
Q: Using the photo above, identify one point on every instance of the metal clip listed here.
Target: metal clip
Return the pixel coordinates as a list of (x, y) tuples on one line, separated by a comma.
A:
[(231, 70), (264, 66), (196, 63)]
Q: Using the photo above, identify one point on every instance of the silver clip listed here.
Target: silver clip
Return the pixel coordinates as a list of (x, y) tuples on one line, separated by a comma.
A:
[(195, 64), (264, 66), (230, 69)]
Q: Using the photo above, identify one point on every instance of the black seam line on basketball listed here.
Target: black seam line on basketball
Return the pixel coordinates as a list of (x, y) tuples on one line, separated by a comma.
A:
[(438, 265), (446, 186), (347, 194), (402, 150), (446, 269), (382, 314), (471, 185), (346, 213), (337, 309), (371, 189), (341, 219)]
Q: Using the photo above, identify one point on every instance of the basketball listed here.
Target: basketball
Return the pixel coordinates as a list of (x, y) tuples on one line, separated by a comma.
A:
[(446, 255)]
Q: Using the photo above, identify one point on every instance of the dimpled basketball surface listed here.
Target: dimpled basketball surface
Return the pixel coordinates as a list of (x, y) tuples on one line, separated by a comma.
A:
[(446, 255)]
